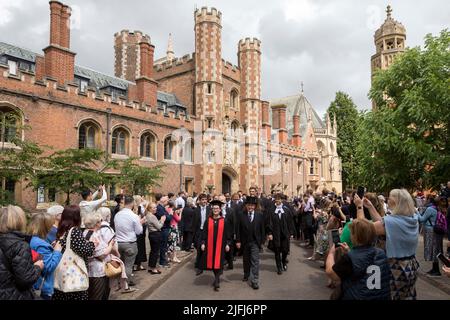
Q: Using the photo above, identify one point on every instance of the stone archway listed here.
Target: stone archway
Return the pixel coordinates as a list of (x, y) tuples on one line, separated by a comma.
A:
[(230, 181), (226, 183)]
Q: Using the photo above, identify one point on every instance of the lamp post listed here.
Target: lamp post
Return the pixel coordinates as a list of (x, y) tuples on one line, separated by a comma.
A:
[(181, 163)]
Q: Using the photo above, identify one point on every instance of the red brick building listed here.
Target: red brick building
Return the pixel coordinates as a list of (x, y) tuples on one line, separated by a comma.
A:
[(199, 115)]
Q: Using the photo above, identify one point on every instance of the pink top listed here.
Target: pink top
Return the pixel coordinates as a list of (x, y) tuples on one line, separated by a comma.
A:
[(175, 219)]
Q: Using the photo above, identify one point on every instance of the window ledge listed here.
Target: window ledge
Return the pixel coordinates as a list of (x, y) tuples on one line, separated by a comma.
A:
[(9, 145), (147, 159), (119, 156)]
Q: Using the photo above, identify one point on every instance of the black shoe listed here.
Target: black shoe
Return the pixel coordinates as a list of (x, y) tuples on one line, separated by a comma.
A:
[(279, 271), (434, 274), (198, 272), (230, 267), (255, 286), (131, 284), (154, 272), (245, 279), (285, 267)]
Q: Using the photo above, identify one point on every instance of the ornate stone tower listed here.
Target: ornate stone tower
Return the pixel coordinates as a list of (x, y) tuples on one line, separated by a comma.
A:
[(389, 41), (208, 90), (249, 58)]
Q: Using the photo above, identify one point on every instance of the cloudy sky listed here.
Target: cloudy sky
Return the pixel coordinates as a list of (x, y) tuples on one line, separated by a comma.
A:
[(327, 44)]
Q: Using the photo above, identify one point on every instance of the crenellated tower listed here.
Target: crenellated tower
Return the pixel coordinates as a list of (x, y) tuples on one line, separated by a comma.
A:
[(208, 91), (249, 60)]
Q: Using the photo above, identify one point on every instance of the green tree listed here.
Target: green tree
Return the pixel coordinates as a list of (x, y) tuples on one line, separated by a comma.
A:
[(72, 170), (19, 159), (347, 118), (135, 178), (406, 140)]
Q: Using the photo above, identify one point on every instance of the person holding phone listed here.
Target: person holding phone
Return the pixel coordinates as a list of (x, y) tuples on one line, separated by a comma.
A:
[(353, 268)]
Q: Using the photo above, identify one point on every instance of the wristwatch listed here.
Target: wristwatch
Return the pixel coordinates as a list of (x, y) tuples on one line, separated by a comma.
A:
[(360, 207)]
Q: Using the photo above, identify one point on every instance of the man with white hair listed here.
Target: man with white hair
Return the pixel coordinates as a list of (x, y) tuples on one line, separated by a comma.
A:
[(55, 211)]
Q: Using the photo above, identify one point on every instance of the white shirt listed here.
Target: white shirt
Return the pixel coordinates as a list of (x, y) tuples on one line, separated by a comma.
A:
[(179, 201), (309, 204), (224, 211), (229, 204), (88, 207), (203, 213), (279, 210), (127, 225), (251, 214)]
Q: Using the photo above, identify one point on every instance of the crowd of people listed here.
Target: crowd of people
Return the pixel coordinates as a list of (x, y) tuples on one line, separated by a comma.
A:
[(83, 251)]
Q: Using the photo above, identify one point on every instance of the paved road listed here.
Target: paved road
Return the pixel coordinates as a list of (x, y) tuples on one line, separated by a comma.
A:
[(304, 280)]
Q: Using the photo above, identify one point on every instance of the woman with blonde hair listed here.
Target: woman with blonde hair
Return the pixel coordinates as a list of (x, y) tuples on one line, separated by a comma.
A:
[(17, 270), (39, 227), (401, 229), (154, 236)]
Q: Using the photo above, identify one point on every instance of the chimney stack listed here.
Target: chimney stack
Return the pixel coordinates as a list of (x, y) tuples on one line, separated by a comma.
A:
[(59, 61), (267, 128), (146, 86), (296, 135), (279, 121)]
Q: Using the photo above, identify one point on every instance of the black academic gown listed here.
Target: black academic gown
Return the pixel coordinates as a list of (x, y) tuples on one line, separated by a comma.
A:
[(280, 229), (214, 255)]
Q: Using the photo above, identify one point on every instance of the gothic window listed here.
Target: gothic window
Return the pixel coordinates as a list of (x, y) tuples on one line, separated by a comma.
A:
[(169, 148), (234, 129), (234, 97), (209, 90), (9, 120), (148, 145), (120, 141), (87, 136), (311, 167), (299, 166)]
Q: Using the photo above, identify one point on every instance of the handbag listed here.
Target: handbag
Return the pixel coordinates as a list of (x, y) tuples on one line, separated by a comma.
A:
[(113, 269), (71, 274)]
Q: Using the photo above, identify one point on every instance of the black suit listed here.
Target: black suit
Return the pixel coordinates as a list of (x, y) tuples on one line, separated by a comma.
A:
[(187, 220), (251, 235), (198, 231), (281, 230), (230, 221)]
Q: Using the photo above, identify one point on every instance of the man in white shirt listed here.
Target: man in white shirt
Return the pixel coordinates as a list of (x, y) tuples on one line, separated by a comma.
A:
[(88, 205), (180, 201), (128, 225)]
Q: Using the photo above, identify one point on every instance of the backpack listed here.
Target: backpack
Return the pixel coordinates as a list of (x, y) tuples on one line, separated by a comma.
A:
[(440, 227)]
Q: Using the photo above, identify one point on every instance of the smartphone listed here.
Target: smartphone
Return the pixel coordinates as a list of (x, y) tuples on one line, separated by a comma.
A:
[(334, 237), (444, 260), (360, 192)]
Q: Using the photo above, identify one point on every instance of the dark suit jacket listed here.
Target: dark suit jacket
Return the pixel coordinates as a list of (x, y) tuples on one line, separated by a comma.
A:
[(187, 219), (244, 227), (230, 220), (197, 221)]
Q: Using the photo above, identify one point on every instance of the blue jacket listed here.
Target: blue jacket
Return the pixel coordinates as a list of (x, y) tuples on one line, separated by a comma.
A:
[(428, 218), (51, 259)]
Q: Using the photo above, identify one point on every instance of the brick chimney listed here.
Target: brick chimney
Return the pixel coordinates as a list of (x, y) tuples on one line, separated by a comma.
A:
[(267, 128), (59, 61), (279, 121), (296, 141), (146, 86)]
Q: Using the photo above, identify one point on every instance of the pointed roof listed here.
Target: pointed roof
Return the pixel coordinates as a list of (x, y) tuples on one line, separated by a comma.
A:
[(299, 105), (390, 26)]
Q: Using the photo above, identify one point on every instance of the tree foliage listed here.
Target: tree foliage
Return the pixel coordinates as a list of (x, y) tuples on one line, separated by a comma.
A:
[(405, 141), (347, 118)]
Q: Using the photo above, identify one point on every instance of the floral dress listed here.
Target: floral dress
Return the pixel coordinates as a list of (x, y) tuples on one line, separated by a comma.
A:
[(174, 235), (322, 234)]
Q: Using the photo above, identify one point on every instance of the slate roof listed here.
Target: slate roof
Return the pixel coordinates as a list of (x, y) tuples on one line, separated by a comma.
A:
[(298, 104), (96, 79)]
